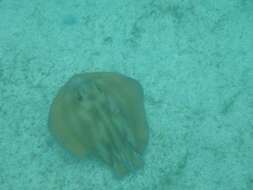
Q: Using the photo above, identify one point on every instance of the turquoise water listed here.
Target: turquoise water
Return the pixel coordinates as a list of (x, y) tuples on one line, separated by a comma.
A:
[(194, 60)]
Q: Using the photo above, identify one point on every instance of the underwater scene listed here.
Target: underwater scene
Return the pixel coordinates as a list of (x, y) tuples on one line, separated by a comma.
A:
[(126, 95)]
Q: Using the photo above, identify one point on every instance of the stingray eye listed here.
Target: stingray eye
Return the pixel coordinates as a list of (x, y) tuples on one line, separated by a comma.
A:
[(99, 89), (80, 93), (84, 90), (79, 97)]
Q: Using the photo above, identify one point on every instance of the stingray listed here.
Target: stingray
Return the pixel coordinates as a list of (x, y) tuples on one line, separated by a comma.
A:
[(102, 114)]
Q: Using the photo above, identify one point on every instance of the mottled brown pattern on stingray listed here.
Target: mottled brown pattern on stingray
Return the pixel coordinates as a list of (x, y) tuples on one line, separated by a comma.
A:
[(102, 114)]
